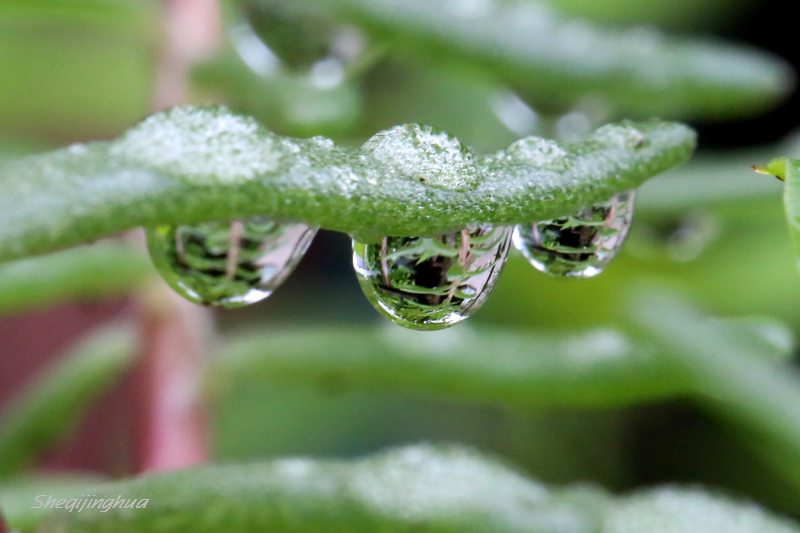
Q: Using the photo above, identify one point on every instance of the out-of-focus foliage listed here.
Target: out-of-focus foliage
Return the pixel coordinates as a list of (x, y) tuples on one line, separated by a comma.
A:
[(597, 368), (77, 69), (18, 496), (93, 272), (422, 487), (597, 392), (49, 407), (556, 61)]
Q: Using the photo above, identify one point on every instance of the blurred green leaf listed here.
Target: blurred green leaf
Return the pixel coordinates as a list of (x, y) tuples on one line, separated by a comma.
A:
[(49, 407), (462, 102), (553, 60), (287, 103), (97, 271), (415, 488), (678, 14), (710, 179), (409, 489), (597, 368), (18, 496), (791, 196), (192, 165), (75, 69), (732, 378)]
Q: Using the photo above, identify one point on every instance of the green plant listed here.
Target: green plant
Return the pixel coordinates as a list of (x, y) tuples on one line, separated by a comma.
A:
[(560, 371)]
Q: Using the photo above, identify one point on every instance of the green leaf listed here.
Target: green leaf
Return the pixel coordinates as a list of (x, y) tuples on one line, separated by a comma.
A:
[(99, 54), (598, 368), (192, 165), (732, 378), (791, 194), (417, 488), (554, 60), (18, 496), (289, 103), (49, 407), (97, 271)]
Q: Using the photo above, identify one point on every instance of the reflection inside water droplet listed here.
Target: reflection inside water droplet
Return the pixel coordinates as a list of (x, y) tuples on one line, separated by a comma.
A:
[(580, 245), (431, 283), (228, 264)]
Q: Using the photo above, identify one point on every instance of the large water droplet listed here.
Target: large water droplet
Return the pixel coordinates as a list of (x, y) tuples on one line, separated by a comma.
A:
[(431, 283), (579, 245), (228, 264)]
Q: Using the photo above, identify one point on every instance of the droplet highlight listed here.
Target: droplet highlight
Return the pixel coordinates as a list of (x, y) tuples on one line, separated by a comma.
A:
[(228, 264), (430, 283), (580, 245), (272, 36)]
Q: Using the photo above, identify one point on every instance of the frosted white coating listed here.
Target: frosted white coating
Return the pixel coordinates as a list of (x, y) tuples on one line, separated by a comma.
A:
[(672, 510), (419, 483), (426, 155), (621, 135), (204, 145), (536, 151)]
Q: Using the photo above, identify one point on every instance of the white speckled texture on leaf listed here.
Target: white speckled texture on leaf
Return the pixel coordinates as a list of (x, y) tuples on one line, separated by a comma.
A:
[(416, 488), (197, 164)]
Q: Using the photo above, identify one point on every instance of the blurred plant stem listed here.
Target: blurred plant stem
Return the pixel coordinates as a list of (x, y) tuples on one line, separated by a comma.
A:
[(171, 425), (193, 33)]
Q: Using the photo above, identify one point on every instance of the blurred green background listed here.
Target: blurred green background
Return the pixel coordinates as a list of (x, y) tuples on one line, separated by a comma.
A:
[(712, 232)]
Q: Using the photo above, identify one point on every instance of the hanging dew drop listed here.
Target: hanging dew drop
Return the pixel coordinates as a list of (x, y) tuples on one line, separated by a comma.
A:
[(228, 264), (432, 283), (579, 245)]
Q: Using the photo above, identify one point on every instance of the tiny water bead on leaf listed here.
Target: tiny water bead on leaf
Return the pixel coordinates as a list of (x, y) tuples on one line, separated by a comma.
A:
[(432, 283), (228, 264), (579, 245)]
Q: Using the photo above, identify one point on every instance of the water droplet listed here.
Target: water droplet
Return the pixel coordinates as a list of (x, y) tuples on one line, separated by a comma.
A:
[(426, 155), (432, 283), (535, 151), (579, 245), (622, 135), (228, 264)]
